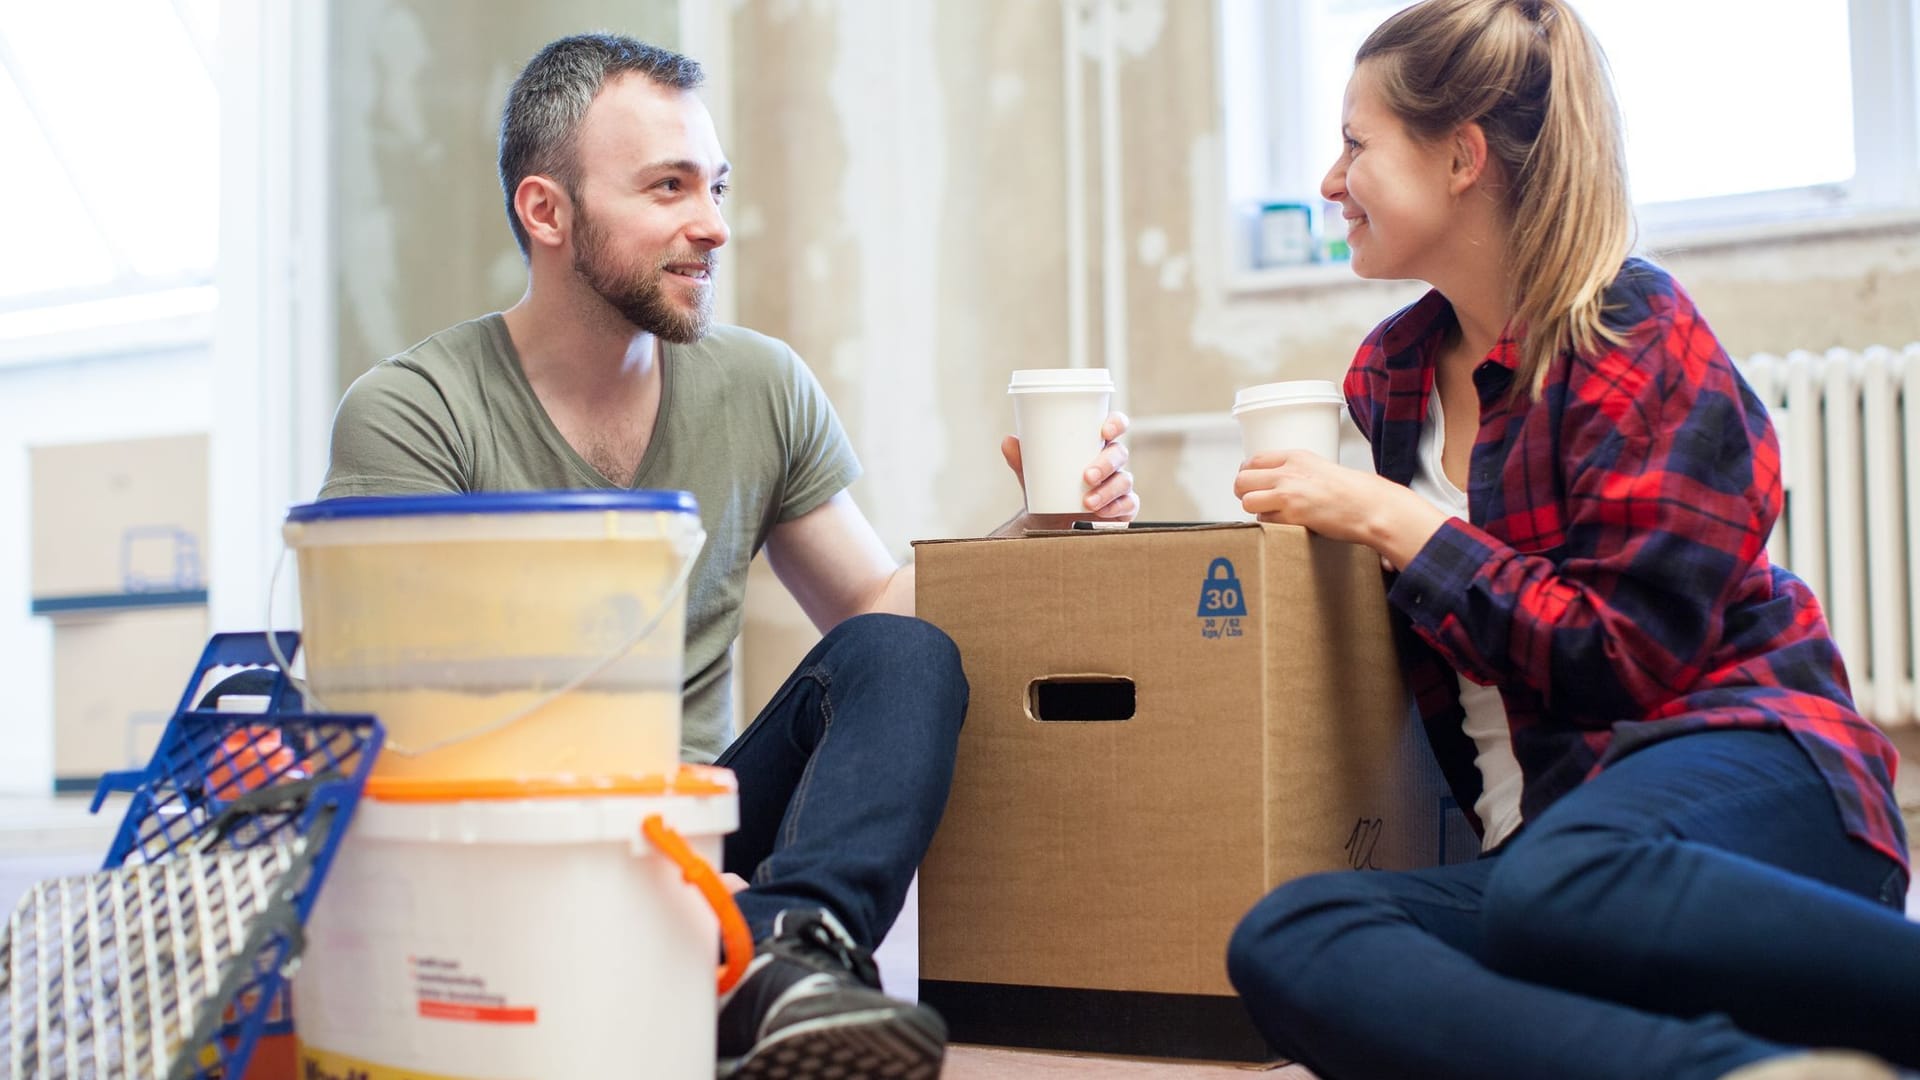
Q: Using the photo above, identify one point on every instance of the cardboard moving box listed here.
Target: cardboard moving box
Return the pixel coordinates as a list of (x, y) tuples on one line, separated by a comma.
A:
[(119, 524), (1164, 726), (117, 678), (119, 565)]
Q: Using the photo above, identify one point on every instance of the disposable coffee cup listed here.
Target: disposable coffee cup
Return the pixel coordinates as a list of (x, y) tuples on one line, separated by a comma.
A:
[(1299, 415), (1057, 414)]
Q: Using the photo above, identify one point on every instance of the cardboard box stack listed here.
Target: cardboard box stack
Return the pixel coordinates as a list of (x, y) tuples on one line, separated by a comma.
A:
[(119, 565), (1164, 725)]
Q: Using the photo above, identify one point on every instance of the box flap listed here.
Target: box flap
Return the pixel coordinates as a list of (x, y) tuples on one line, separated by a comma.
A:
[(1136, 529)]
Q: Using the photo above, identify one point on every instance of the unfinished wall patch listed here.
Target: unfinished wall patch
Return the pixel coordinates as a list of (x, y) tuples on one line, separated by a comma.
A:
[(507, 273), (1173, 273), (377, 96), (1006, 90), (889, 105), (1152, 245), (814, 263)]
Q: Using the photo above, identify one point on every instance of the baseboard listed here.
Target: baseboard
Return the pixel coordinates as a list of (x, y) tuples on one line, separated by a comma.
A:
[(1129, 1022), (75, 785)]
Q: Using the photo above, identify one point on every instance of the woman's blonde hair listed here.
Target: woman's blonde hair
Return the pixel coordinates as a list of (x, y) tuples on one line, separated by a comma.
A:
[(1530, 73)]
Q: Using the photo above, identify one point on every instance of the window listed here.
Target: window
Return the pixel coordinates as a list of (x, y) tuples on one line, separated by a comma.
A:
[(111, 119), (1737, 112)]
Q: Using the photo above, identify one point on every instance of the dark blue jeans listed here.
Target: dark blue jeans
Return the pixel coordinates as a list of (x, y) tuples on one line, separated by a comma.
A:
[(845, 773), (1694, 908)]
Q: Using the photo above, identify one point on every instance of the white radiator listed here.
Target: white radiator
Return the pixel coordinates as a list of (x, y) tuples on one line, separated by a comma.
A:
[(1849, 428)]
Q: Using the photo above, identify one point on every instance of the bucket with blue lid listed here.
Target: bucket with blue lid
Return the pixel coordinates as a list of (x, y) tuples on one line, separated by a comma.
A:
[(502, 636)]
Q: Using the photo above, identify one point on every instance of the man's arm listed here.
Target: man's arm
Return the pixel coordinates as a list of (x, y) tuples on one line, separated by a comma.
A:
[(834, 564)]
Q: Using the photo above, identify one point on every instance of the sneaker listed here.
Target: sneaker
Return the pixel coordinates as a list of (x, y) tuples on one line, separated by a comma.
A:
[(810, 1006)]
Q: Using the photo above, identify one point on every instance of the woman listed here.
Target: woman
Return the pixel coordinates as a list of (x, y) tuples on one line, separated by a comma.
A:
[(1695, 863)]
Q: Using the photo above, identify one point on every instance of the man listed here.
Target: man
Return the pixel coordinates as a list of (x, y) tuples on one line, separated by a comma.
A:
[(607, 374)]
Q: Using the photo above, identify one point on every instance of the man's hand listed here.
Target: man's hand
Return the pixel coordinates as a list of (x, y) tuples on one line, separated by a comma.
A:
[(1110, 495)]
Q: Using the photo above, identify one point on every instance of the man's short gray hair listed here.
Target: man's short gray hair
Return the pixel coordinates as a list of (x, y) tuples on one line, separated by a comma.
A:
[(541, 123)]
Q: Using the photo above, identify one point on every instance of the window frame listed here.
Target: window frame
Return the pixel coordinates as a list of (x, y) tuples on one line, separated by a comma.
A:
[(130, 312)]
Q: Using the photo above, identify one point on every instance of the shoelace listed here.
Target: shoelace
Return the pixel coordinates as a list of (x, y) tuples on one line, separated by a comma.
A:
[(852, 957)]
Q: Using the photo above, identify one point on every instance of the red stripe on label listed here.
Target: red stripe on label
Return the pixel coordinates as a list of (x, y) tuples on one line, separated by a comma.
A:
[(512, 1014)]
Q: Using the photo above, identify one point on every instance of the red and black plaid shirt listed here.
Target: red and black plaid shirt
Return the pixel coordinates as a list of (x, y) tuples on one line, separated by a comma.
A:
[(1614, 581)]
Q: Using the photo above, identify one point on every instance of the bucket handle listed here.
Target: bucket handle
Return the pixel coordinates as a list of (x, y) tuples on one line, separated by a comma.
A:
[(669, 596), (735, 938)]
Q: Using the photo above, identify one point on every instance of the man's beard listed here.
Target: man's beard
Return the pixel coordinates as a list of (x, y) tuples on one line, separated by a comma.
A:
[(640, 295)]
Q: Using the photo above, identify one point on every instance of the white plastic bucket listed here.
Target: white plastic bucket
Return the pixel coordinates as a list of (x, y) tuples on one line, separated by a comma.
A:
[(502, 636), (505, 938)]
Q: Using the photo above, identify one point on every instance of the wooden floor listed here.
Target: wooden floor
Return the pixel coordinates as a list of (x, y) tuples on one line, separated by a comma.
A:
[(995, 1063)]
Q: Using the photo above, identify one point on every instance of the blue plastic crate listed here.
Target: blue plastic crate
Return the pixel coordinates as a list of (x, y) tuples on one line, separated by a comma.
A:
[(237, 813)]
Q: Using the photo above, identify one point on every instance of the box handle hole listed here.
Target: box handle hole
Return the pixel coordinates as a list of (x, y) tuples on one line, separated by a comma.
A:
[(1080, 698)]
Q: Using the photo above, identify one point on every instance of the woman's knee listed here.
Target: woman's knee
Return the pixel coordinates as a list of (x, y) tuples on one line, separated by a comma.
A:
[(1544, 897), (1276, 942)]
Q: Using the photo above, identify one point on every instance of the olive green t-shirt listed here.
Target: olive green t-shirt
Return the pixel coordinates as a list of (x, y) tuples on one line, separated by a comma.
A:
[(743, 425)]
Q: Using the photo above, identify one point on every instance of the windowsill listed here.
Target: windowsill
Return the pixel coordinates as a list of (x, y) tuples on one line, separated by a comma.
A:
[(139, 322), (1658, 240), (1279, 279), (1706, 237)]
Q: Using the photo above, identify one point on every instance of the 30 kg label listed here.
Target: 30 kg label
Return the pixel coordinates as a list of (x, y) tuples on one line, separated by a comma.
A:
[(1223, 603)]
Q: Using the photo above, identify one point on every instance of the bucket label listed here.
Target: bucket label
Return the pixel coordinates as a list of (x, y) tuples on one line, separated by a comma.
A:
[(1222, 601), (446, 991)]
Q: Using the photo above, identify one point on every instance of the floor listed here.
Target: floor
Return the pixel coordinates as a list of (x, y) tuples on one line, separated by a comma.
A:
[(51, 837), (44, 837), (995, 1063)]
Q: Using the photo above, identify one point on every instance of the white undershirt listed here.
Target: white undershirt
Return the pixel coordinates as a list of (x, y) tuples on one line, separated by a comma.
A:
[(1486, 722)]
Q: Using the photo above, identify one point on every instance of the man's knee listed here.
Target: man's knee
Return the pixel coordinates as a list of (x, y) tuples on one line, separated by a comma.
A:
[(913, 663), (902, 633), (915, 644)]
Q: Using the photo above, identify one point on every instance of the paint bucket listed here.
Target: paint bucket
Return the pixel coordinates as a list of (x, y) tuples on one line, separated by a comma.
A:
[(505, 930), (502, 636)]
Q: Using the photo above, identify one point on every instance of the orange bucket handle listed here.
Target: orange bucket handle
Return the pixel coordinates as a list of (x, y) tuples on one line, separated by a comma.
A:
[(736, 940)]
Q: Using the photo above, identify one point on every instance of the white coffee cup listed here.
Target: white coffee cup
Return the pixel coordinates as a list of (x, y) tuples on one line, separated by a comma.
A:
[(1057, 414), (1299, 415)]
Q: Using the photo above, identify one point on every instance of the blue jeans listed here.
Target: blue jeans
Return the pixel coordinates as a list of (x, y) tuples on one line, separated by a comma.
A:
[(844, 775), (1693, 908)]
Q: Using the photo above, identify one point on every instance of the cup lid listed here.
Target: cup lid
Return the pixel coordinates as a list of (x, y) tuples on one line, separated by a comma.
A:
[(1039, 379), (1295, 392)]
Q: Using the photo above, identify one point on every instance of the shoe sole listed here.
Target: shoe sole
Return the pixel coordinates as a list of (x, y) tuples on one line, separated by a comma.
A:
[(878, 1044)]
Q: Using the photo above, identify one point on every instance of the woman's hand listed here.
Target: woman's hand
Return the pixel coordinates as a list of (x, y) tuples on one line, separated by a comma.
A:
[(1298, 487)]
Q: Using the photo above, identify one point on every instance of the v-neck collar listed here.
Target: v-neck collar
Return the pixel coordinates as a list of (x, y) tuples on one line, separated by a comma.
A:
[(551, 431)]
